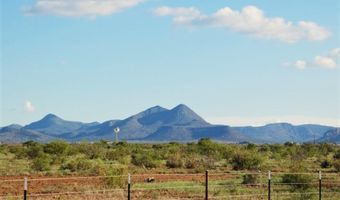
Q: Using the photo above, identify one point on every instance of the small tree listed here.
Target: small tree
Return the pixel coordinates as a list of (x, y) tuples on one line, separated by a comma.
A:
[(42, 162), (56, 147)]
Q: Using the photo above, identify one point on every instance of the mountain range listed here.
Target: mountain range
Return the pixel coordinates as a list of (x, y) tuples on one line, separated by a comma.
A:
[(158, 124)]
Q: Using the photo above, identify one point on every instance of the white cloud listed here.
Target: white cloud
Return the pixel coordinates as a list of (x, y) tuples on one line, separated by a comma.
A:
[(250, 20), (325, 62), (300, 64), (328, 61), (182, 15), (79, 8), (29, 106)]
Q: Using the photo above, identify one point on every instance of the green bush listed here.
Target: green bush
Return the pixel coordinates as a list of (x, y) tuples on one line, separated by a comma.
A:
[(56, 147), (175, 161), (92, 151), (336, 165), (77, 165), (192, 162), (337, 154), (144, 160), (297, 181), (246, 160), (34, 151), (325, 164), (249, 179), (42, 162), (115, 178), (18, 151), (120, 154), (209, 148)]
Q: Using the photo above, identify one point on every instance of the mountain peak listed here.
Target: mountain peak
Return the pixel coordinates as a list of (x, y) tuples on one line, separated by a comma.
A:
[(53, 125), (183, 115), (11, 127), (150, 111), (50, 116), (181, 106)]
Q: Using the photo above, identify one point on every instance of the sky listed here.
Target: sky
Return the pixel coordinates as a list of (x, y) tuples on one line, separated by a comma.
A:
[(233, 62)]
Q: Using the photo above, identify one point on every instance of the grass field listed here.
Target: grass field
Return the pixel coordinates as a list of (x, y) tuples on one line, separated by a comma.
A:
[(59, 170)]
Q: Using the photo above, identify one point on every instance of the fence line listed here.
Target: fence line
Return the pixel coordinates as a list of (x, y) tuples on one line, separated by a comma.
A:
[(201, 185)]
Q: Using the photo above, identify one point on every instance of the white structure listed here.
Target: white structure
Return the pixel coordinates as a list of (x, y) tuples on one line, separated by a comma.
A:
[(116, 130)]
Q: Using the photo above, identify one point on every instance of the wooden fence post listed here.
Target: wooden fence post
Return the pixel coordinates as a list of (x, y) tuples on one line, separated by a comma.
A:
[(25, 188), (269, 186), (206, 185), (129, 187), (320, 185)]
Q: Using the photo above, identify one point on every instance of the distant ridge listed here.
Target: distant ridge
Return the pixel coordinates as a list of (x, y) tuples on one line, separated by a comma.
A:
[(160, 124), (331, 136), (52, 125)]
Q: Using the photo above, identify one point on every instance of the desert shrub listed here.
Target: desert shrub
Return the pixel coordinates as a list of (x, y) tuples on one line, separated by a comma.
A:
[(18, 151), (297, 154), (34, 151), (209, 148), (120, 154), (336, 165), (199, 163), (30, 143), (325, 164), (326, 148), (264, 148), (56, 147), (249, 179), (42, 162), (297, 181), (246, 160), (192, 162), (251, 146), (289, 144), (92, 151), (77, 165), (2, 148), (310, 149), (337, 154), (175, 161), (116, 176), (145, 160)]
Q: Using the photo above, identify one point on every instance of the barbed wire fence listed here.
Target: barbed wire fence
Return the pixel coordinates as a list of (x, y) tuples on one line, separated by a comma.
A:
[(227, 185)]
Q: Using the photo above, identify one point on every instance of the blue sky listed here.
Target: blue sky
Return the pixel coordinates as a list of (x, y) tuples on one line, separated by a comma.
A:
[(233, 62)]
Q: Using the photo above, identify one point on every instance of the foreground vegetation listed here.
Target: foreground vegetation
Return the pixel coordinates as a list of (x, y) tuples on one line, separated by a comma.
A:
[(177, 170), (105, 158)]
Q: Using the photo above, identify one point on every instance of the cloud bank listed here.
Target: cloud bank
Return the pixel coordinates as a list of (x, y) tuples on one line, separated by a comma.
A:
[(29, 106), (250, 20), (328, 61), (80, 8)]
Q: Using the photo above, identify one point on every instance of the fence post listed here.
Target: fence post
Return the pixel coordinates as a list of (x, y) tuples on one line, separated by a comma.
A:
[(269, 188), (25, 188), (129, 186), (206, 185), (320, 185)]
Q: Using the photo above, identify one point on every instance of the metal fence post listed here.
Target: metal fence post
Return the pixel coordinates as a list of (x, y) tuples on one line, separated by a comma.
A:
[(206, 185), (129, 187), (269, 186), (320, 185), (25, 188)]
